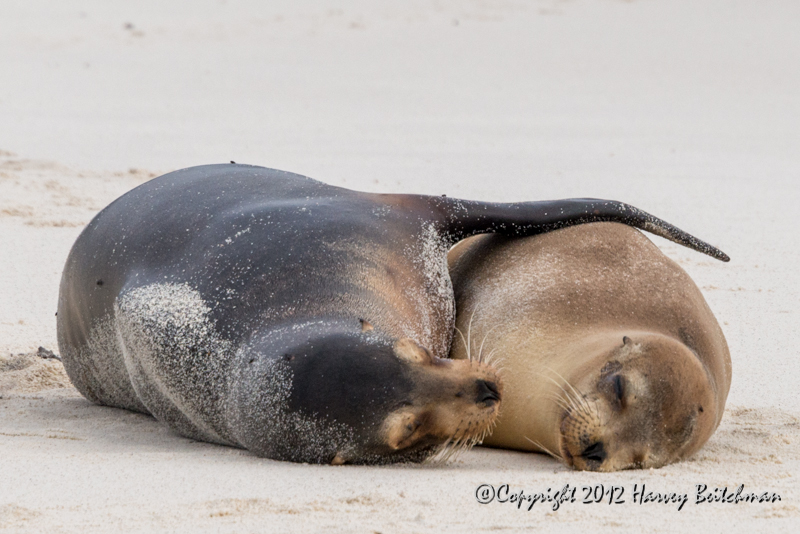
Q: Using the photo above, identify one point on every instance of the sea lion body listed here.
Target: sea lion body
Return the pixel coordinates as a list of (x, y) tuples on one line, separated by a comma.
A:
[(265, 310), (611, 357)]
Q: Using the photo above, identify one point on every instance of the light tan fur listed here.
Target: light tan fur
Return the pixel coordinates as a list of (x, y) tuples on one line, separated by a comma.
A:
[(601, 338)]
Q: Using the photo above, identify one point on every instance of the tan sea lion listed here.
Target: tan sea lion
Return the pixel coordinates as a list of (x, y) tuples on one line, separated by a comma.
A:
[(611, 358)]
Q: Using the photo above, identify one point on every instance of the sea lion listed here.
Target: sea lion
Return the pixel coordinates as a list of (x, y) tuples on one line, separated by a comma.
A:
[(262, 309), (611, 357)]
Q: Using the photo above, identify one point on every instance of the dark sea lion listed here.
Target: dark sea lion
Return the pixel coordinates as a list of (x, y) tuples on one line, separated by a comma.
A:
[(611, 359), (305, 322)]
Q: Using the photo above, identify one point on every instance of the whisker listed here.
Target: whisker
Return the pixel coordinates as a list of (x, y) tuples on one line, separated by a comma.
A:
[(488, 359), (460, 333), (480, 350), (578, 395), (438, 456), (545, 449), (453, 449), (568, 396), (564, 380), (469, 333), (560, 402), (447, 449)]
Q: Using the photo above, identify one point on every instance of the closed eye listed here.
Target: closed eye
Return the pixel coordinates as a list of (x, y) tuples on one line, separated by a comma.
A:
[(618, 384)]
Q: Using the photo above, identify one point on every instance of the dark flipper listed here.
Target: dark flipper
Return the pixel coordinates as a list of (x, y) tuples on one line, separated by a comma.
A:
[(466, 218)]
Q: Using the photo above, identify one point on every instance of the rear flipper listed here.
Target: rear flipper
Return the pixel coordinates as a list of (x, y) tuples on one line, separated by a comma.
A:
[(467, 218)]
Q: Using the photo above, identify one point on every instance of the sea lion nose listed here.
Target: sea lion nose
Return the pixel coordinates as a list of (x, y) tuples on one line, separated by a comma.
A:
[(487, 393), (595, 452)]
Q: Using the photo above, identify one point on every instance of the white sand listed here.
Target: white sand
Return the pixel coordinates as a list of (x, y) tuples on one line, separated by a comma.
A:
[(690, 110)]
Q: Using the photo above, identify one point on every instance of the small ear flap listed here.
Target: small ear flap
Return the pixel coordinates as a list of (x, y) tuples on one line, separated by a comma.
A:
[(366, 326), (625, 340), (408, 349), (400, 428)]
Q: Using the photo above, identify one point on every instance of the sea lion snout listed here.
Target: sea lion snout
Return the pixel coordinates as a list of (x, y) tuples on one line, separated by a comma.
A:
[(439, 377), (453, 404), (488, 394), (595, 453)]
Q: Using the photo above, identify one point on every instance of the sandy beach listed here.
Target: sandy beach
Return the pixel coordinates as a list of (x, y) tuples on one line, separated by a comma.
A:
[(688, 110)]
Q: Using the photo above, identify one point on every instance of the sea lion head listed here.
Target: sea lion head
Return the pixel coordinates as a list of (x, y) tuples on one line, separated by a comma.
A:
[(644, 403), (361, 397)]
